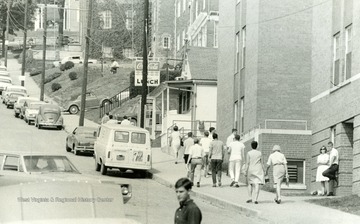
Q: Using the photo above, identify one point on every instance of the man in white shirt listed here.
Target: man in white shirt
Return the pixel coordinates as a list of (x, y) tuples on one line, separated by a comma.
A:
[(125, 121), (196, 155), (331, 172), (114, 66), (229, 140), (205, 143), (236, 150)]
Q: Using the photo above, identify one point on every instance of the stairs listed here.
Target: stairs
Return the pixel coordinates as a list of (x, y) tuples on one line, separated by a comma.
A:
[(115, 101)]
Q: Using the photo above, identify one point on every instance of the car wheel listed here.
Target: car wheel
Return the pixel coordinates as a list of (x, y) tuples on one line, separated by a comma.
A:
[(59, 127), (29, 122), (16, 115), (68, 149), (21, 116), (39, 126), (142, 173), (103, 169), (73, 109), (97, 165)]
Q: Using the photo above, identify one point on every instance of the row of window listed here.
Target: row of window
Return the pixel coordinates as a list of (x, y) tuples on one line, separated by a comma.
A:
[(106, 17), (183, 4)]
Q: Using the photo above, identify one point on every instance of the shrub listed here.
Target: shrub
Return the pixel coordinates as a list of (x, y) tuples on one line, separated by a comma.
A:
[(62, 67), (55, 86), (35, 72), (73, 75), (69, 65), (52, 77)]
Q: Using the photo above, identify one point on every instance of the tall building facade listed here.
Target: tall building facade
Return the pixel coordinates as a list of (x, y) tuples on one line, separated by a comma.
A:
[(335, 84), (264, 73)]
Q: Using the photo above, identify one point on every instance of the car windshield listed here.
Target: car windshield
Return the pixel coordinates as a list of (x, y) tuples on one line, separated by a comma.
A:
[(5, 80), (17, 90), (45, 163), (86, 133), (15, 95), (35, 105)]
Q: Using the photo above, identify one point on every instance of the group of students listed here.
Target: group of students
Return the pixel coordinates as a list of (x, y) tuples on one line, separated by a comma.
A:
[(208, 153), (109, 119)]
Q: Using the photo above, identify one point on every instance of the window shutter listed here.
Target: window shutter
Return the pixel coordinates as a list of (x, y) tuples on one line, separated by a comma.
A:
[(336, 72), (348, 65)]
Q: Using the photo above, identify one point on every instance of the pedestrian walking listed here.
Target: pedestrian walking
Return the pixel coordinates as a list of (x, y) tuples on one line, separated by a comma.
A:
[(114, 66), (205, 143), (125, 121), (323, 164), (331, 172), (236, 151), (187, 144), (111, 120), (217, 152), (229, 140), (188, 212), (278, 161), (196, 156), (212, 130), (254, 172), (105, 118), (175, 142)]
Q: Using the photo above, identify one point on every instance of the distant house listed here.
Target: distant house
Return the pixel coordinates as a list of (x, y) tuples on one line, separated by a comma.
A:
[(188, 101)]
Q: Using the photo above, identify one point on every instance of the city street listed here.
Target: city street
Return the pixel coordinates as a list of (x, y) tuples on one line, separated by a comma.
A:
[(151, 202)]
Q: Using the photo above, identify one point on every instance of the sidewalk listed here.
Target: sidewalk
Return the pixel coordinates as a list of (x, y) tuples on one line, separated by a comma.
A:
[(165, 171)]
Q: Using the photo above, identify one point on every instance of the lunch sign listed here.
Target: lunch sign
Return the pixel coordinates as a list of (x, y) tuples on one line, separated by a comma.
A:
[(153, 78)]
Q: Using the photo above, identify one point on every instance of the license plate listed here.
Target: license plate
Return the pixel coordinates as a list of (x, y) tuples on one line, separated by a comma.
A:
[(138, 156), (120, 157)]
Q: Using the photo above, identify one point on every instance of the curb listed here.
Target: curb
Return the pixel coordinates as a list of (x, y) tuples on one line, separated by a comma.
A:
[(211, 199)]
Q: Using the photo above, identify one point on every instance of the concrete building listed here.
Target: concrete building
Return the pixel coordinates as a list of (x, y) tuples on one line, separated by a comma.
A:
[(335, 84), (264, 73)]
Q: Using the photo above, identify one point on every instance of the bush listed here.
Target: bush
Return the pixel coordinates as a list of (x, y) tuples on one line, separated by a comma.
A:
[(62, 67), (73, 75), (69, 65), (35, 72), (55, 86), (52, 77)]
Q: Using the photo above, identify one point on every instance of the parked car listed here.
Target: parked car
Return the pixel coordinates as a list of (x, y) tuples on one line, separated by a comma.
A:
[(12, 97), (92, 101), (76, 59), (32, 110), (25, 105), (49, 115), (4, 82), (13, 88), (19, 103), (122, 147), (81, 140), (25, 167), (4, 71)]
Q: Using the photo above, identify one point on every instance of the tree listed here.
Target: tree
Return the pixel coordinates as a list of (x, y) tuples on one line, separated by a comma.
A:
[(16, 21), (118, 36)]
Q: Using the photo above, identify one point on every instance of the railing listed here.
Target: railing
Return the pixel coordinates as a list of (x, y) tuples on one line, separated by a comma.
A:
[(115, 101)]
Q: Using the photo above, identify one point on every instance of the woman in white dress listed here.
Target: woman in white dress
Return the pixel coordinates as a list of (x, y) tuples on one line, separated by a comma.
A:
[(323, 164), (174, 142)]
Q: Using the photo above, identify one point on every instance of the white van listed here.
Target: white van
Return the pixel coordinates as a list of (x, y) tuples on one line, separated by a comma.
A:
[(123, 147)]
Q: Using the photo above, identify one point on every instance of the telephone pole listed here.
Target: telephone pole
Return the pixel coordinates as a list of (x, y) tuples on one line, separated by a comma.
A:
[(42, 85), (22, 78), (86, 61), (7, 30), (145, 64)]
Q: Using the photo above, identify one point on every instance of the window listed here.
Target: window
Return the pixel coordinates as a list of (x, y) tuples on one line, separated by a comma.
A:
[(204, 4), (11, 163), (196, 8), (216, 40), (336, 60), (242, 114), (178, 42), (121, 136), (237, 46), (296, 170), (183, 38), (178, 8), (243, 35), (1, 160), (204, 36), (138, 138), (185, 101), (107, 20), (348, 49), (128, 52), (129, 20), (333, 134), (184, 5), (236, 115), (166, 42)]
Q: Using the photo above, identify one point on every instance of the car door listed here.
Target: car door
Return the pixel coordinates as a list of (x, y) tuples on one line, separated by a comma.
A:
[(91, 101)]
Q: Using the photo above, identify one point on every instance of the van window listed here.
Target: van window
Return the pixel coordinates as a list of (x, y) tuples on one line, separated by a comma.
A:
[(121, 136), (138, 138)]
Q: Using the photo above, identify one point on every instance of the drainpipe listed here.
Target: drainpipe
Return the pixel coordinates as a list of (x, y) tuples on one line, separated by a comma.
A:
[(194, 105)]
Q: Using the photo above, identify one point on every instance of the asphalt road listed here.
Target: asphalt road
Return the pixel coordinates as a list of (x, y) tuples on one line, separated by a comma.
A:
[(151, 202)]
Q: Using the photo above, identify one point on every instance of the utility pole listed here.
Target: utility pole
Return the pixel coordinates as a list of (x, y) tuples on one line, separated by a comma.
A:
[(86, 61), (145, 65), (42, 85), (24, 44), (7, 30)]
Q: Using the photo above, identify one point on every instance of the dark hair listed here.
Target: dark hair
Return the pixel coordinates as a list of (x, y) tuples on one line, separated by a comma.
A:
[(111, 116), (254, 144), (190, 134), (237, 137), (176, 128), (206, 133), (323, 147), (196, 140), (330, 143), (125, 117), (215, 136), (184, 182), (211, 129), (234, 129)]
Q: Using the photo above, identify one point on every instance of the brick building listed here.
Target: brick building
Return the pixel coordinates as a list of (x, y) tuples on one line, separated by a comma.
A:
[(264, 74), (335, 84)]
